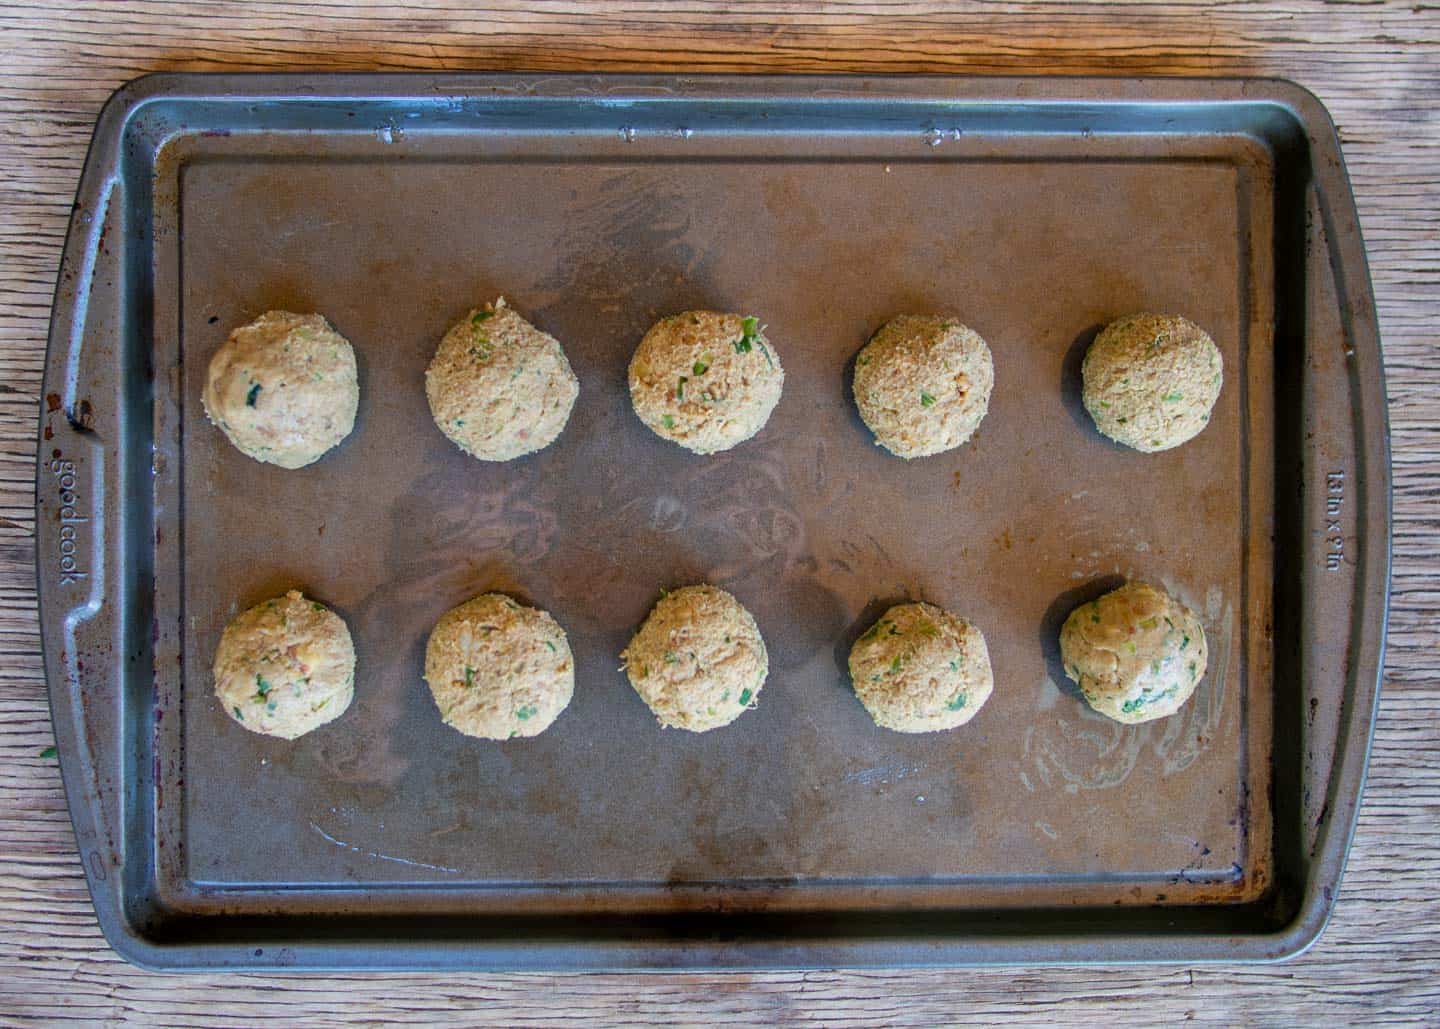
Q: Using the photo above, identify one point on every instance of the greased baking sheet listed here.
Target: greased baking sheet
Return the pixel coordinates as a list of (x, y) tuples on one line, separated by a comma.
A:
[(801, 834)]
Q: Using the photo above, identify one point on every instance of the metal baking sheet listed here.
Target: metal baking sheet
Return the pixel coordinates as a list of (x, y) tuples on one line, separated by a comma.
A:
[(801, 835)]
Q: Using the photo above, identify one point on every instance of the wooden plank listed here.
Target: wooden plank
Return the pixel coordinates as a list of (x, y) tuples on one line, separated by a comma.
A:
[(1375, 64)]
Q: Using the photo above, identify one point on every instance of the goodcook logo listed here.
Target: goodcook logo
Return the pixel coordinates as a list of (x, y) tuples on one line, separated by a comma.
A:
[(72, 522)]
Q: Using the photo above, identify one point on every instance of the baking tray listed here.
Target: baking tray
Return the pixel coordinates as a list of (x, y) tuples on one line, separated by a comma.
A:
[(801, 835)]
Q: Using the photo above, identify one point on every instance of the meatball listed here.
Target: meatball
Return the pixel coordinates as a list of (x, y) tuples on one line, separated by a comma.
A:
[(497, 669), (923, 384), (1137, 653), (698, 660), (705, 380), (499, 387), (285, 667), (1150, 381), (921, 669), (284, 389)]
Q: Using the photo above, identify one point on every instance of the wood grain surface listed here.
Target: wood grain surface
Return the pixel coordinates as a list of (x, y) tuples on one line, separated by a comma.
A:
[(1375, 64)]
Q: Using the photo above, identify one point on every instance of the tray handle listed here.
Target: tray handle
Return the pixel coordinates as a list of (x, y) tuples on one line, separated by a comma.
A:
[(78, 521), (1345, 506), (1367, 524)]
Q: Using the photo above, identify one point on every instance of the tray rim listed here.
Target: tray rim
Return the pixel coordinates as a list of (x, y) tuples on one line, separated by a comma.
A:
[(1369, 618)]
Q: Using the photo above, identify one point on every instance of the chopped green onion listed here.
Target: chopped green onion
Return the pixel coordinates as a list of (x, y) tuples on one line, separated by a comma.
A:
[(750, 329), (745, 696), (926, 400), (252, 395)]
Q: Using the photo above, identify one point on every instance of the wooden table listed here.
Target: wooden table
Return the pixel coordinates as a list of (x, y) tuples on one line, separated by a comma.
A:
[(1375, 64)]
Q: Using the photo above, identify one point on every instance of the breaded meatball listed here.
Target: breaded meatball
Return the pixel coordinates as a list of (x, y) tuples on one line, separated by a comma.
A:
[(705, 380), (1151, 381), (1137, 653), (499, 387), (921, 669), (284, 389), (923, 384), (698, 660), (285, 667)]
